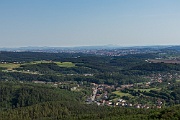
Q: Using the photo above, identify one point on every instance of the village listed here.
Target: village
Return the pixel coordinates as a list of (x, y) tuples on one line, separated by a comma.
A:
[(101, 97), (111, 95), (134, 95)]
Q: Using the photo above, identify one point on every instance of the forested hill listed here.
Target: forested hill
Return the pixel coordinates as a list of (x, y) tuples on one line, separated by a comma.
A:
[(67, 86), (34, 56), (42, 102), (15, 94)]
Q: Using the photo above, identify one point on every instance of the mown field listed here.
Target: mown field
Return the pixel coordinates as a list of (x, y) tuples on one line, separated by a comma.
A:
[(119, 93), (147, 90), (65, 64), (11, 66), (60, 64)]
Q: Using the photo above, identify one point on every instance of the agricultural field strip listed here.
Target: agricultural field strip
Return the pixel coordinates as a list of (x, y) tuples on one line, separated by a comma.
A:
[(10, 66), (122, 93), (147, 90)]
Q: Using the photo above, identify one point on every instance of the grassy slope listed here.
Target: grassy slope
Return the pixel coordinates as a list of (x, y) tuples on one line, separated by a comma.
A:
[(9, 66), (147, 90), (122, 93)]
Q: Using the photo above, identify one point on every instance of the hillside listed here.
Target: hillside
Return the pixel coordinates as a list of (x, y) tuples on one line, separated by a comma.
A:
[(56, 86)]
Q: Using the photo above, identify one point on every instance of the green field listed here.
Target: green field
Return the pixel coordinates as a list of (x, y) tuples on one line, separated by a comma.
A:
[(38, 62), (9, 66), (147, 90), (60, 64), (65, 64), (119, 93), (177, 80)]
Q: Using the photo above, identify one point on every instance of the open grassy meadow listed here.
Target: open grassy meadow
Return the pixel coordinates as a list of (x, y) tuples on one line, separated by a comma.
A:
[(60, 64), (147, 90), (119, 93), (65, 64), (9, 66), (177, 80)]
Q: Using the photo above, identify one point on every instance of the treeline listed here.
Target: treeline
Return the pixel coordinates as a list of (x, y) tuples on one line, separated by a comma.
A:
[(154, 67), (27, 101), (99, 63), (85, 63), (169, 95), (110, 70), (63, 110), (105, 69), (107, 78), (36, 56), (51, 68), (15, 95)]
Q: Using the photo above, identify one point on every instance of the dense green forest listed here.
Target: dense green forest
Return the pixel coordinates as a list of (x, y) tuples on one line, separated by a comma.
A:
[(48, 86), (14, 94), (31, 101)]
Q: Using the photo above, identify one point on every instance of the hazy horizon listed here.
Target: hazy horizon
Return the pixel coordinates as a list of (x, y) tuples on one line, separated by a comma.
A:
[(72, 23)]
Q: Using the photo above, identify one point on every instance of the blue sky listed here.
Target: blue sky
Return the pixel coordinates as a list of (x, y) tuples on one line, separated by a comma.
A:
[(89, 22)]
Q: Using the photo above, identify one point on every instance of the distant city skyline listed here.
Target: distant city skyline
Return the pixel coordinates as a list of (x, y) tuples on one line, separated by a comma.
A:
[(70, 23)]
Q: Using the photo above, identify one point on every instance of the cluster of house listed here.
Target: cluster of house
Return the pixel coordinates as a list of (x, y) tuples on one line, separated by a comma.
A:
[(100, 97), (163, 77), (3, 62), (124, 103), (56, 84)]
